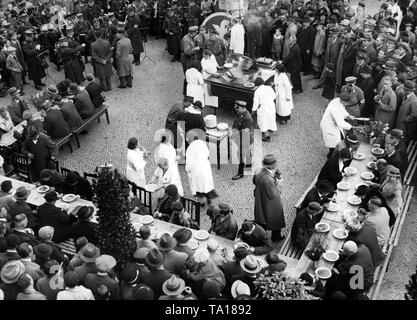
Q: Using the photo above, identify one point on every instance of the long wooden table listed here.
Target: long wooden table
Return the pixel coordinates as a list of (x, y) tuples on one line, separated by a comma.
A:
[(7, 139), (37, 199), (158, 227), (335, 219)]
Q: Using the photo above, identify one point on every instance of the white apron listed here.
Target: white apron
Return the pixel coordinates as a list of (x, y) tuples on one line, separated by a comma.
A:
[(167, 151), (283, 89), (195, 85), (209, 66), (135, 168), (198, 168), (263, 103), (333, 123)]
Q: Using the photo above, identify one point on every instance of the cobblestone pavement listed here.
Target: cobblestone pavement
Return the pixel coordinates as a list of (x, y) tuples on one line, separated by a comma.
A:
[(298, 146)]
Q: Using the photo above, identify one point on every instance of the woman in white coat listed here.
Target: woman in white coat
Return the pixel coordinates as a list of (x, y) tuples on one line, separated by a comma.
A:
[(167, 151), (135, 169), (209, 66), (283, 90), (198, 168), (264, 105), (333, 122), (195, 82)]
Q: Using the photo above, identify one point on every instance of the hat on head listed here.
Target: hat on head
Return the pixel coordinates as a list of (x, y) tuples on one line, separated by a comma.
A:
[(51, 196), (188, 99), (140, 254), (182, 235), (408, 23), (224, 208), (90, 77), (12, 271), (390, 65), (105, 263), (362, 4), (345, 153), (240, 288), (166, 242), (13, 90), (212, 245), (240, 253), (26, 115), (142, 292), (198, 104), (85, 212), (193, 29), (330, 66), (49, 266), (155, 258), (394, 172), (46, 232), (172, 190), (73, 88), (173, 286), (193, 244), (21, 193), (349, 248), (314, 208), (409, 85), (397, 133), (130, 275), (352, 138), (247, 226), (6, 186), (79, 15), (89, 253), (250, 264), (211, 289), (53, 89), (43, 250), (241, 103), (269, 159), (351, 79), (29, 32)]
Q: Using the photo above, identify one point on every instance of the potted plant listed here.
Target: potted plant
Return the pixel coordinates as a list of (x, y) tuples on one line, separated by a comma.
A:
[(316, 248), (281, 286), (411, 287), (375, 131)]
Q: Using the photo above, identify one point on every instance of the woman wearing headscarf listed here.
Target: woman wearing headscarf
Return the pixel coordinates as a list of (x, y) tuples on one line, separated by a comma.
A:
[(283, 90), (167, 151), (136, 162), (264, 105), (209, 67), (195, 82)]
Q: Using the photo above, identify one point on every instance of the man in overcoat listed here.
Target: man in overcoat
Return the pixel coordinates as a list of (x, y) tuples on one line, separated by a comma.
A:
[(31, 51), (293, 64), (268, 205), (101, 53), (407, 113), (124, 61)]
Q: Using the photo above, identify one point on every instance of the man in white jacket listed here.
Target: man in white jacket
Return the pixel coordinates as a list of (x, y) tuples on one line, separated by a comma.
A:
[(237, 37), (333, 122)]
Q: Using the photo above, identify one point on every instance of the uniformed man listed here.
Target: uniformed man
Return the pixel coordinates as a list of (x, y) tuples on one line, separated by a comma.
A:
[(217, 46), (51, 38), (92, 11), (242, 135), (360, 63), (357, 99), (200, 40), (70, 52), (172, 27), (31, 50), (188, 48), (82, 28)]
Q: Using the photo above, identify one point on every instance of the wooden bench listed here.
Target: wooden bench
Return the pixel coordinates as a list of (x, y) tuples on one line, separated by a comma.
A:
[(392, 242), (192, 207), (300, 201), (144, 196), (67, 247), (289, 250), (412, 162), (64, 141), (99, 112)]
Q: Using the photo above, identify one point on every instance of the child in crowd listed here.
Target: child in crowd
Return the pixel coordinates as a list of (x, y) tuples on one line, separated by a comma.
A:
[(277, 43)]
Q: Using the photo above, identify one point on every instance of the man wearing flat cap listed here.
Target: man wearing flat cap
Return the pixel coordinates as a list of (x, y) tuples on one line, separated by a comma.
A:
[(242, 135), (268, 205)]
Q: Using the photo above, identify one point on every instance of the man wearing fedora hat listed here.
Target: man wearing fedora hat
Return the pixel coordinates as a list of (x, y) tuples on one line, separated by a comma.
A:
[(268, 204), (407, 113), (10, 274), (157, 275), (304, 223), (394, 158), (104, 264), (17, 106), (255, 236), (182, 236), (54, 123), (322, 192), (84, 226), (82, 101), (88, 254), (124, 61), (69, 111), (73, 289), (396, 137), (251, 267), (174, 261), (94, 90), (21, 206), (173, 288)]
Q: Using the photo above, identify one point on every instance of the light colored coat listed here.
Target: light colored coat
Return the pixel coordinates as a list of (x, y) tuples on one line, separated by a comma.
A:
[(379, 220), (319, 49), (392, 192), (385, 108), (237, 39), (195, 83), (407, 117), (135, 169), (263, 103), (124, 57), (333, 123), (198, 168), (209, 66), (283, 90), (167, 151)]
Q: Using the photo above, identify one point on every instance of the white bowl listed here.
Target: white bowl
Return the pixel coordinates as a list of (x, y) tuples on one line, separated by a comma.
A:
[(359, 156), (323, 273), (349, 214), (43, 189), (69, 197), (367, 175), (371, 165), (201, 235), (228, 65), (340, 234), (331, 256), (193, 244), (151, 187), (147, 219), (343, 185), (354, 200), (333, 207), (351, 171), (222, 126), (378, 151), (322, 227)]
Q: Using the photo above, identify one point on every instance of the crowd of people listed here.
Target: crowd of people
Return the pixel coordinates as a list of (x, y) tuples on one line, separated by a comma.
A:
[(365, 64)]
